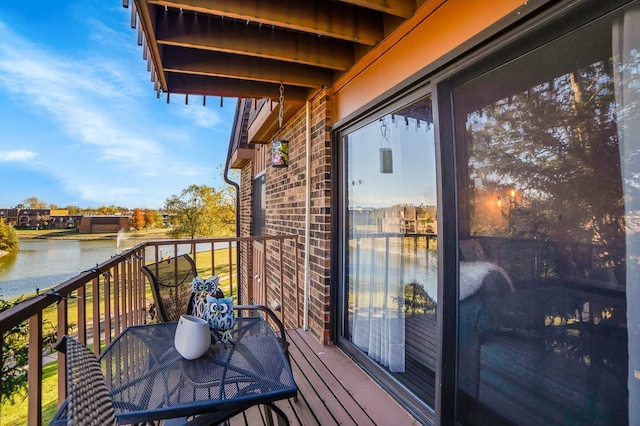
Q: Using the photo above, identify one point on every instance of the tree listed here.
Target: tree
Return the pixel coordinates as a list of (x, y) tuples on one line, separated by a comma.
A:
[(73, 210), (15, 359), (34, 203), (149, 218), (110, 210), (137, 220), (8, 237), (224, 212), (157, 218), (554, 148), (201, 211)]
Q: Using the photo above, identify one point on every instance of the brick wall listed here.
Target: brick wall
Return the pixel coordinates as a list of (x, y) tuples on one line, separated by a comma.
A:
[(285, 215), (98, 224)]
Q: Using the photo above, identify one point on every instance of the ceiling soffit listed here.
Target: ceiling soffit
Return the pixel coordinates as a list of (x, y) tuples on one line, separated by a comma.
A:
[(249, 48)]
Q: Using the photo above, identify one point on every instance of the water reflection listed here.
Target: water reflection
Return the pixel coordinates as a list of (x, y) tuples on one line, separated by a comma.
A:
[(41, 264)]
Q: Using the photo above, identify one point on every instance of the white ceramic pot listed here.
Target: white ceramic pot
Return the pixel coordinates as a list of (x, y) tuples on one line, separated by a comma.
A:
[(192, 338)]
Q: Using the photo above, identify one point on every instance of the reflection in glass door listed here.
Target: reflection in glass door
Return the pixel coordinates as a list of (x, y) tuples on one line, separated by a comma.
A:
[(391, 245), (547, 210)]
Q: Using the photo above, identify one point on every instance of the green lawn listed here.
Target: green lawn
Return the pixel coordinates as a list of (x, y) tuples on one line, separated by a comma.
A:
[(74, 234), (16, 414)]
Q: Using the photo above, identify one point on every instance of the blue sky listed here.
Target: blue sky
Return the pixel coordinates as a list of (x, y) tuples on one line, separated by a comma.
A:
[(80, 123)]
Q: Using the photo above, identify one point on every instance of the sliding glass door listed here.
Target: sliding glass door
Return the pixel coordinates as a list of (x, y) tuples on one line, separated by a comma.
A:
[(547, 178), (390, 246)]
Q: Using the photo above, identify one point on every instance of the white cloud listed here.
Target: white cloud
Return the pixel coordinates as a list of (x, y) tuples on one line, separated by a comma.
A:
[(17, 155), (201, 117), (83, 97), (107, 139)]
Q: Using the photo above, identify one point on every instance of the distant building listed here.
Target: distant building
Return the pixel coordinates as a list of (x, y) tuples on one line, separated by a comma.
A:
[(409, 220), (96, 224), (61, 219), (9, 215), (33, 218)]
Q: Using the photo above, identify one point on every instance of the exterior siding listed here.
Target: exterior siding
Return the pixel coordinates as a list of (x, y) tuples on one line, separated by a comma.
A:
[(285, 215)]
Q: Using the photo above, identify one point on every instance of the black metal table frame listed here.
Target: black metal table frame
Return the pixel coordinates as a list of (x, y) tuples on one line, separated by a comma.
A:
[(258, 389)]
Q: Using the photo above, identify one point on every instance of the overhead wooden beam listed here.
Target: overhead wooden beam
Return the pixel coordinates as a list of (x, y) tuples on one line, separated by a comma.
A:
[(146, 12), (232, 88), (223, 35), (402, 8), (320, 17), (203, 62)]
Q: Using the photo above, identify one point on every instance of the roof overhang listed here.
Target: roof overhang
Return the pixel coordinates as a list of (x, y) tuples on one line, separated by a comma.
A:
[(250, 49)]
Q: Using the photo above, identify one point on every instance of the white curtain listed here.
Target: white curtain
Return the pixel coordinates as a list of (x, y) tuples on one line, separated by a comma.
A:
[(626, 53), (382, 213), (378, 300), (375, 266)]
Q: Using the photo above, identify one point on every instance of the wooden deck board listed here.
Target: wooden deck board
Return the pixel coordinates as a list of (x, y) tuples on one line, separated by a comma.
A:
[(333, 390), (333, 394)]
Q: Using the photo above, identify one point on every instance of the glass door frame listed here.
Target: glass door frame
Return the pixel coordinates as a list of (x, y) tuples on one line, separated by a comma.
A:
[(339, 302)]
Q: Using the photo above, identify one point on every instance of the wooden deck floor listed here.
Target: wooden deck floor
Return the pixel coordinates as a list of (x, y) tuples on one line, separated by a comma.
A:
[(333, 390)]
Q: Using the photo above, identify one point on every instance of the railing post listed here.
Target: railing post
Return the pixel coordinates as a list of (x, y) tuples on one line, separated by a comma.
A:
[(34, 376), (135, 297), (62, 360), (116, 299), (129, 305), (95, 297), (143, 282), (213, 259), (82, 315), (107, 308), (282, 301), (142, 307), (263, 282)]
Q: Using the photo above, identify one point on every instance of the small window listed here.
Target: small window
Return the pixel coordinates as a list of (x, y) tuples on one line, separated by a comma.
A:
[(259, 204)]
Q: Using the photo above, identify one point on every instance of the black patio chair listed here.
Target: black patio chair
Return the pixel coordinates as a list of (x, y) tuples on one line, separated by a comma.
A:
[(171, 286), (270, 317), (89, 401)]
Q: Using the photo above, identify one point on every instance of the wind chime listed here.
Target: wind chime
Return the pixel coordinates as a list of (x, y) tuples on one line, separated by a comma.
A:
[(386, 155), (280, 147)]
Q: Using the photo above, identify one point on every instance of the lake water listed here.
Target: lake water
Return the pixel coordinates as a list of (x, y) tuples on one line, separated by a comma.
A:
[(45, 263), (42, 264)]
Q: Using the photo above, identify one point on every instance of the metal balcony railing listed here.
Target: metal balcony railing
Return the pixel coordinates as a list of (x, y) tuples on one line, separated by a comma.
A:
[(99, 304)]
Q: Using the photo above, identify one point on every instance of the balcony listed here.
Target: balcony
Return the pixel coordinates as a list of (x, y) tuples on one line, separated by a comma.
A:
[(99, 304)]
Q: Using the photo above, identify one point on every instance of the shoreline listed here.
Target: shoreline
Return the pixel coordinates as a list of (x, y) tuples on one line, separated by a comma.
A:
[(74, 235), (71, 237)]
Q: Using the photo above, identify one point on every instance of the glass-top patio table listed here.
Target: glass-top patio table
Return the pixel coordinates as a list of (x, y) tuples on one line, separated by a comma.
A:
[(149, 380)]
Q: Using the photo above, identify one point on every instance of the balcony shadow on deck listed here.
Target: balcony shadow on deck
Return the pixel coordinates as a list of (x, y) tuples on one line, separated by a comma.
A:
[(333, 390)]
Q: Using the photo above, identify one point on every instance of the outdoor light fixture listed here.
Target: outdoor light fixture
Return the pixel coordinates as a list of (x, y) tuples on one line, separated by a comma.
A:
[(280, 153)]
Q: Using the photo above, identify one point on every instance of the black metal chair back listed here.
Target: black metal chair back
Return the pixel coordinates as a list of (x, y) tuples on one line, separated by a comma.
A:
[(171, 286)]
